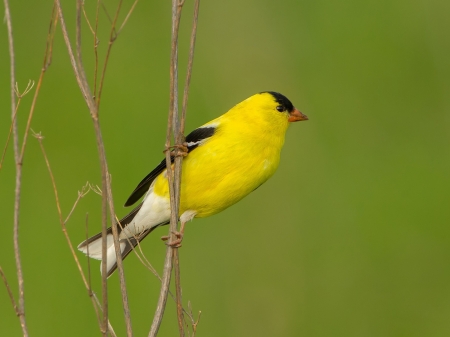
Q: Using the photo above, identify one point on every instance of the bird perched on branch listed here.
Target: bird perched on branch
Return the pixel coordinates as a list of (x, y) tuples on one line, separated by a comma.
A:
[(228, 158)]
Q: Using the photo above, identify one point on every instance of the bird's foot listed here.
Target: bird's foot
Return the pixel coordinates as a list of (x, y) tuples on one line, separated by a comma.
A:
[(179, 238), (179, 150), (175, 243)]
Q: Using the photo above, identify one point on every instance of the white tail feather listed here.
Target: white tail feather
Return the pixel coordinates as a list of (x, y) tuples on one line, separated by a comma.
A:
[(95, 251)]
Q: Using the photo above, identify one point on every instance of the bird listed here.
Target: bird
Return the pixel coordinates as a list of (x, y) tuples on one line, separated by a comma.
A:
[(227, 159)]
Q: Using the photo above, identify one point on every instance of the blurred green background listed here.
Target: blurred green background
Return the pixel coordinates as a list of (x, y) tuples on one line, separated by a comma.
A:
[(351, 236)]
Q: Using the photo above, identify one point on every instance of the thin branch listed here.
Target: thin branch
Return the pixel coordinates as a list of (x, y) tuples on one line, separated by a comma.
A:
[(189, 67), (112, 38), (194, 323), (106, 11), (180, 139), (8, 138), (84, 90), (96, 42), (106, 182), (84, 190), (127, 17), (46, 63), (93, 111), (86, 18), (143, 259), (79, 58), (172, 124), (106, 186), (8, 289), (90, 292), (19, 96), (81, 194), (21, 302)]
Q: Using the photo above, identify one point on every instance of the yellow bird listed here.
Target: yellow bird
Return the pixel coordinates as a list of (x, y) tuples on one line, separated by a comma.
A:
[(228, 158)]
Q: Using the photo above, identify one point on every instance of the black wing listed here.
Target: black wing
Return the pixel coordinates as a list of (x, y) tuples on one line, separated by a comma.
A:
[(199, 136), (144, 185), (194, 139)]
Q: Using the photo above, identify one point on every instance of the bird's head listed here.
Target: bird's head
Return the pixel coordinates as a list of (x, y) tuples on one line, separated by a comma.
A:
[(280, 106), (269, 107), (268, 110)]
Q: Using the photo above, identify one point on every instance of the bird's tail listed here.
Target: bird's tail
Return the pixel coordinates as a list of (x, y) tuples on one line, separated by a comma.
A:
[(93, 248)]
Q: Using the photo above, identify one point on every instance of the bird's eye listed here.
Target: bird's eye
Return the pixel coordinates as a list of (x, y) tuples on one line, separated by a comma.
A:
[(280, 108)]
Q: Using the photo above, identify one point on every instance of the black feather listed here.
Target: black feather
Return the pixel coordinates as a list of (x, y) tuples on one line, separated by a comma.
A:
[(145, 183), (282, 100), (196, 136)]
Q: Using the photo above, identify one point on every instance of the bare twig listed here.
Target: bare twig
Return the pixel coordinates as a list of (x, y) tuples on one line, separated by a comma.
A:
[(13, 121), (46, 64), (106, 182), (194, 323), (189, 67), (84, 90), (21, 301), (112, 38), (93, 111), (143, 259), (171, 123), (180, 139), (175, 127), (90, 292), (81, 194), (127, 17), (8, 289), (106, 11), (79, 58), (96, 42), (86, 18), (9, 136), (84, 190)]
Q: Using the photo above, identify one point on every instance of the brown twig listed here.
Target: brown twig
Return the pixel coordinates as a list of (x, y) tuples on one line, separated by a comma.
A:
[(86, 17), (194, 323), (83, 192), (112, 38), (189, 67), (8, 289), (9, 136), (21, 301), (143, 259), (45, 65), (172, 123), (19, 95), (175, 127), (106, 182), (90, 292), (127, 17), (180, 140), (96, 42), (79, 58)]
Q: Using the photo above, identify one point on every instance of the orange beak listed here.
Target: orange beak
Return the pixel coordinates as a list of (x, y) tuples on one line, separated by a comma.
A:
[(296, 116)]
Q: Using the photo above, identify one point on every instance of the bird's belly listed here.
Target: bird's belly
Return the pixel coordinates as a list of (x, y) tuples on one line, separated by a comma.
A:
[(216, 175), (210, 187)]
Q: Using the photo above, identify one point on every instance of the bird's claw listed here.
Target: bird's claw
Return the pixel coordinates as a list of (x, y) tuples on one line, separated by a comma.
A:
[(175, 243), (179, 150)]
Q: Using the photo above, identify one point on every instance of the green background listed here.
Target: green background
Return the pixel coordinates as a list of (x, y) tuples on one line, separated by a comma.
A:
[(350, 237)]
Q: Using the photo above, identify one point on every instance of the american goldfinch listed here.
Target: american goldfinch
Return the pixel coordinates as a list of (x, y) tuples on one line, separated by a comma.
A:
[(228, 158)]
